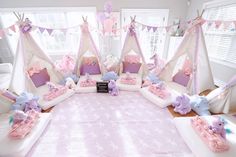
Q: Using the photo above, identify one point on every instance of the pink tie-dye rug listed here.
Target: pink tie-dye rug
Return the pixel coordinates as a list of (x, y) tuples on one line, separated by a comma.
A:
[(100, 125)]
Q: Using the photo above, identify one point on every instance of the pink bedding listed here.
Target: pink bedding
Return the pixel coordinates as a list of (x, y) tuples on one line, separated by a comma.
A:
[(20, 130), (99, 125), (88, 83), (163, 93), (58, 91), (214, 141)]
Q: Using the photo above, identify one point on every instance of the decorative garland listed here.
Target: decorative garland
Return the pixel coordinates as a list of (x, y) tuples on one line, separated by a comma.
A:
[(216, 23)]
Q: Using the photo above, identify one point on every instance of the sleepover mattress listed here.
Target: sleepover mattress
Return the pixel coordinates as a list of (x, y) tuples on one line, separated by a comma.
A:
[(158, 101), (92, 89), (194, 142), (19, 148), (47, 104), (127, 87)]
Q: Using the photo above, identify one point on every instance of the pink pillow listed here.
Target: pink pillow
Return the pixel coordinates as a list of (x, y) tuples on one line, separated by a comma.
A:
[(90, 69), (132, 58), (41, 78), (181, 78), (9, 95), (89, 61), (131, 67)]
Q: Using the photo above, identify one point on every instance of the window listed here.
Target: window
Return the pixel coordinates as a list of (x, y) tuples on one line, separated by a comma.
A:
[(149, 41), (58, 43), (221, 42)]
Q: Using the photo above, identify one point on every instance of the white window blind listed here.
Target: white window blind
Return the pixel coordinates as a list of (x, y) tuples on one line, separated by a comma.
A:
[(221, 42), (149, 41), (57, 43)]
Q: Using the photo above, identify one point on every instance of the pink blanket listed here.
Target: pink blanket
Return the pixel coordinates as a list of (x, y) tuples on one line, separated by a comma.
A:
[(129, 81), (214, 141), (56, 92), (88, 83), (21, 129), (163, 93)]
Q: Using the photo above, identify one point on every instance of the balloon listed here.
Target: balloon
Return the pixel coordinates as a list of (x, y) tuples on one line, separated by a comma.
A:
[(108, 7), (101, 17)]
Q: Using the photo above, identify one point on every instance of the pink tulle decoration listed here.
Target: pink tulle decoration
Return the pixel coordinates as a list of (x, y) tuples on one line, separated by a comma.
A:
[(66, 65)]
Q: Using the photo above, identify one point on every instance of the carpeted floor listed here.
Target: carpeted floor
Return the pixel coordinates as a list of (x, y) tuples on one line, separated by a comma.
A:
[(100, 125)]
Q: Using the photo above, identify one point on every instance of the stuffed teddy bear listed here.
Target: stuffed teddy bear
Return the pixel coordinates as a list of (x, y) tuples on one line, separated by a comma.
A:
[(113, 89)]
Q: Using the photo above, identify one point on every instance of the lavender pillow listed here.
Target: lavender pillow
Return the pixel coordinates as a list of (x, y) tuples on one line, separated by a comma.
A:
[(181, 78), (91, 69), (131, 67), (41, 78), (9, 95)]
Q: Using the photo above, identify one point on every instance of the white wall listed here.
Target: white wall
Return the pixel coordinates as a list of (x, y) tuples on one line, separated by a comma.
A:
[(220, 72)]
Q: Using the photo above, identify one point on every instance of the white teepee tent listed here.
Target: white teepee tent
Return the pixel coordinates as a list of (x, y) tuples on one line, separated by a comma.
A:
[(131, 44), (28, 53), (87, 44), (192, 47), (223, 99)]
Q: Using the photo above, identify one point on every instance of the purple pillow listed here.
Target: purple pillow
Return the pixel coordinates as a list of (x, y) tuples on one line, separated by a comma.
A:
[(10, 95), (131, 67), (181, 78), (91, 69), (41, 78)]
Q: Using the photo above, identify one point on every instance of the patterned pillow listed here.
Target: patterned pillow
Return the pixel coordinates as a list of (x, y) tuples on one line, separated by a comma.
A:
[(132, 58), (90, 69), (9, 95), (131, 67), (89, 61), (41, 78), (181, 78)]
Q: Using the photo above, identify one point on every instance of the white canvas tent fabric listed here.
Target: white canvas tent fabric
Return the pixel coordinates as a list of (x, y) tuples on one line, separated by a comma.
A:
[(27, 52), (223, 99), (87, 44), (192, 46), (132, 44)]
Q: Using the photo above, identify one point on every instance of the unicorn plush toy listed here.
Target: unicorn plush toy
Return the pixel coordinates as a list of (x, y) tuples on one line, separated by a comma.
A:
[(113, 89), (218, 127)]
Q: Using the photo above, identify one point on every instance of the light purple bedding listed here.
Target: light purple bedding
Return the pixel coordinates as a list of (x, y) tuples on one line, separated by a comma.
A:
[(100, 125)]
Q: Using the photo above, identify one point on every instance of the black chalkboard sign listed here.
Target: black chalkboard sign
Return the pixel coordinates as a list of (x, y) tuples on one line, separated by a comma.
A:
[(102, 87)]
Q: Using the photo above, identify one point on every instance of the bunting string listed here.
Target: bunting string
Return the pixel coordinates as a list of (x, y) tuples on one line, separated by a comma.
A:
[(143, 27)]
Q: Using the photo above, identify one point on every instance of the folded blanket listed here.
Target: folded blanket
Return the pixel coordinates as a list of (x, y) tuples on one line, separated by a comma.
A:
[(213, 140), (23, 128), (55, 92), (88, 83), (161, 92), (129, 81)]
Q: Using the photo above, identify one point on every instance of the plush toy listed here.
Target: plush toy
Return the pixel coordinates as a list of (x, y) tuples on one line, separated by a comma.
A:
[(72, 76), (218, 127), (200, 105), (52, 87), (113, 89), (32, 105), (182, 104), (17, 117), (24, 101), (70, 83), (111, 75)]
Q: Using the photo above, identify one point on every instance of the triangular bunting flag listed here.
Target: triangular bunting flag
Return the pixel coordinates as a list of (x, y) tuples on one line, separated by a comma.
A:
[(49, 31), (234, 24), (1, 34), (218, 23), (168, 28), (41, 29), (12, 28), (227, 24), (154, 29), (149, 28)]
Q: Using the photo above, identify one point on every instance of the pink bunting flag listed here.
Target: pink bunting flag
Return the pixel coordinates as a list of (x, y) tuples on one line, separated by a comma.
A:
[(234, 24), (218, 23), (49, 31), (149, 28), (154, 29), (227, 24), (12, 28), (1, 34), (41, 29), (168, 28)]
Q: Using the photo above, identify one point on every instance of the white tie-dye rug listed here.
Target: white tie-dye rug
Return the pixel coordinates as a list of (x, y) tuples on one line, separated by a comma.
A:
[(100, 125)]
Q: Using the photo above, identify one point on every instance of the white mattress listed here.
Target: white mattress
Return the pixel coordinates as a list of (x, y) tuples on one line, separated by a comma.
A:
[(47, 104), (88, 89), (19, 148), (177, 87), (127, 87), (198, 147), (158, 101)]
